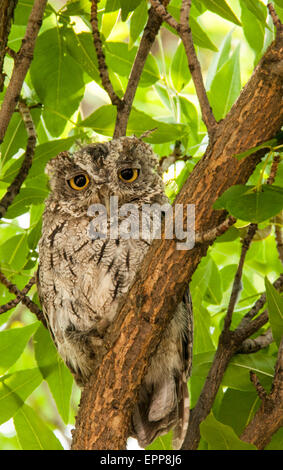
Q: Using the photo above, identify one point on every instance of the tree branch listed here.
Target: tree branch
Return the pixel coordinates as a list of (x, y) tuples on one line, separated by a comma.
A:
[(7, 8), (15, 186), (269, 418), (21, 294), (22, 63), (185, 34), (252, 345), (103, 70), (229, 343), (237, 280), (275, 18), (165, 272), (150, 31)]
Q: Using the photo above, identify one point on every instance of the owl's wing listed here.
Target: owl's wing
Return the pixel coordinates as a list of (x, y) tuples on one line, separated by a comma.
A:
[(164, 404)]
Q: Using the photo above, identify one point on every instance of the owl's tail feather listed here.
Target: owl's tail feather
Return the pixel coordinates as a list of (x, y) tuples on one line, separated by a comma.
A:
[(162, 408)]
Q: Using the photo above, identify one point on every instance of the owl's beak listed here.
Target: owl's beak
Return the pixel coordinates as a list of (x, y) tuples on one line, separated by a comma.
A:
[(98, 179)]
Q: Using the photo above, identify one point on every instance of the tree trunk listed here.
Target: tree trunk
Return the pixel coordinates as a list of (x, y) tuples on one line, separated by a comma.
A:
[(103, 420)]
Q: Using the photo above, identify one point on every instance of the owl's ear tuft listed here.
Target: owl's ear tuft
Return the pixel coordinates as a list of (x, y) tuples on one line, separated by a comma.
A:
[(56, 163)]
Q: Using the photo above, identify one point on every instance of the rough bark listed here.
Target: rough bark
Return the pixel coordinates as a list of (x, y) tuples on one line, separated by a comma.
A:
[(103, 420)]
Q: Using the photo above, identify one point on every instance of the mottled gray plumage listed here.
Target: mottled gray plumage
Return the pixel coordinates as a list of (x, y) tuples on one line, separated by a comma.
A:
[(80, 280)]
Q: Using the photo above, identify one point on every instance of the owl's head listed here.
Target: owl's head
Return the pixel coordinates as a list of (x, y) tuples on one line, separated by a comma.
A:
[(123, 167)]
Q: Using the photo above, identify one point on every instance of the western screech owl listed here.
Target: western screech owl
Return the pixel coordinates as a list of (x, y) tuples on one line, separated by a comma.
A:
[(81, 278)]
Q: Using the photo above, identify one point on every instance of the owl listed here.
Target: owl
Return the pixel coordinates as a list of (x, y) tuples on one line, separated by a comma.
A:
[(81, 278)]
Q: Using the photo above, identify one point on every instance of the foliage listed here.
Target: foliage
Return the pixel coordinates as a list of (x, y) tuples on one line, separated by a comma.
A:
[(69, 106)]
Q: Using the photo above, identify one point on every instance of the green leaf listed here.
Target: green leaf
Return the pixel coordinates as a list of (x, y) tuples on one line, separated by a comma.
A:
[(103, 119), (246, 203), (221, 8), (14, 251), (54, 371), (163, 442), (253, 27), (226, 86), (57, 79), (200, 37), (12, 344), (219, 59), (257, 8), (271, 143), (24, 199), (112, 5), (275, 311), (208, 280), (127, 6), (237, 375), (32, 432), (16, 135), (23, 11), (14, 389), (120, 59), (219, 436), (138, 21), (202, 324), (43, 153), (180, 74), (238, 408), (81, 48)]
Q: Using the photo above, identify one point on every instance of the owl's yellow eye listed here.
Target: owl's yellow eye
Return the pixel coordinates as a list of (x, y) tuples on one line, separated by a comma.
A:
[(128, 175), (79, 182)]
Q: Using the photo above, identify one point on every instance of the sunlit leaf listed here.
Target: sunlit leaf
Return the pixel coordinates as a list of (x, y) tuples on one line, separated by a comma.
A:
[(221, 8), (57, 79), (12, 343), (54, 371), (14, 389), (226, 86), (275, 311), (32, 432), (180, 74)]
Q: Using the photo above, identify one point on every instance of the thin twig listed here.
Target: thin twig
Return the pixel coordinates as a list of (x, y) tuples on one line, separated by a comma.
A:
[(15, 186), (24, 299), (229, 344), (215, 232), (103, 70), (185, 34), (275, 18), (269, 417), (252, 345), (13, 303), (278, 222), (185, 12), (7, 8), (238, 276), (22, 64), (259, 388), (150, 31), (273, 169)]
